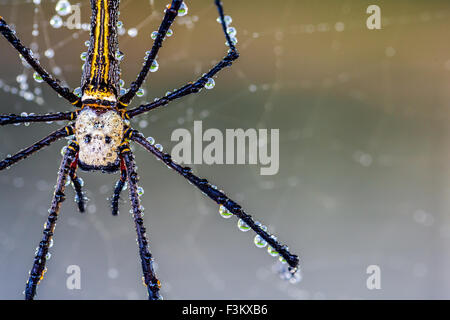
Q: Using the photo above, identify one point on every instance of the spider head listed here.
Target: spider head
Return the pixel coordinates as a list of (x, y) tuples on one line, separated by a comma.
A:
[(99, 132)]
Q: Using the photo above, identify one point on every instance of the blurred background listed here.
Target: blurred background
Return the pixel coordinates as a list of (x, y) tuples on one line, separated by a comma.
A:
[(364, 153)]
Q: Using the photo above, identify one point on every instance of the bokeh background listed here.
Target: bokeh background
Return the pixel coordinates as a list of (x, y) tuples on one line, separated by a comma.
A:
[(364, 153)]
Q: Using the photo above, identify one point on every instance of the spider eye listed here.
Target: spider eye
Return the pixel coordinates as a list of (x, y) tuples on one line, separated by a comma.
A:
[(107, 139), (87, 138)]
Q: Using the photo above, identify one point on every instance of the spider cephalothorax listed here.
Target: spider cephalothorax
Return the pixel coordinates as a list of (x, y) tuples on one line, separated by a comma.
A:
[(101, 137)]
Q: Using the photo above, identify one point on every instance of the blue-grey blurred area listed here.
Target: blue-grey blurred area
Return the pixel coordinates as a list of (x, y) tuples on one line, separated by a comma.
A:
[(364, 153)]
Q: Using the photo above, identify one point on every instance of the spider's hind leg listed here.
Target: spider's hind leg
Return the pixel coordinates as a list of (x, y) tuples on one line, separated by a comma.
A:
[(80, 199), (38, 269), (151, 282), (118, 188)]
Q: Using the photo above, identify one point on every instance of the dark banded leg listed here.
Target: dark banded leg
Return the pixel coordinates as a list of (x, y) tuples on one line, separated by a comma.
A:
[(26, 53), (118, 188), (54, 136), (169, 17), (77, 185), (149, 278), (13, 118), (220, 198), (193, 87), (38, 269)]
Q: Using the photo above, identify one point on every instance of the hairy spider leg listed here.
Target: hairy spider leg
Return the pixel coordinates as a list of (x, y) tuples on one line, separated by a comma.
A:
[(194, 87), (118, 188), (152, 283), (54, 136), (38, 269), (13, 118), (77, 185), (169, 17), (27, 54), (219, 197)]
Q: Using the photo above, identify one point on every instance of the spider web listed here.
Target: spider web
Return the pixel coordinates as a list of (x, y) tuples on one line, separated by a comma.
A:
[(362, 154)]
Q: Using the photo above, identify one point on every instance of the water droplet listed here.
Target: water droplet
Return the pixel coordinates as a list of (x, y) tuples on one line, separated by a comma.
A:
[(263, 227), (63, 7), (37, 77), (159, 147), (242, 225), (56, 22), (224, 212), (121, 83), (86, 43), (231, 31), (140, 92), (169, 33), (119, 24), (28, 96), (48, 255), (210, 84), (183, 10), (83, 56), (132, 32), (151, 140), (119, 55), (63, 150), (227, 20), (140, 191), (77, 92), (234, 41), (21, 78), (154, 35), (259, 242), (49, 53), (154, 67), (272, 251)]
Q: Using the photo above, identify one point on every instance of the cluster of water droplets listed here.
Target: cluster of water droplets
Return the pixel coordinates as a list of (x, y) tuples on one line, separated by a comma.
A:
[(284, 270), (24, 88), (230, 30), (152, 141)]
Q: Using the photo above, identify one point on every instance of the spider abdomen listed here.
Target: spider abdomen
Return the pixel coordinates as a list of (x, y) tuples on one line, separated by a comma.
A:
[(99, 132)]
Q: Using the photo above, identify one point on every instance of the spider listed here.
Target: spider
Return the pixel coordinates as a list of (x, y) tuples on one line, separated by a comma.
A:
[(100, 134)]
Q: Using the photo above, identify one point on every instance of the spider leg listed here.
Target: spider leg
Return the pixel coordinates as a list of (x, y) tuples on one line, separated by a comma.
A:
[(26, 53), (77, 185), (169, 17), (193, 87), (38, 270), (118, 188), (13, 118), (219, 197), (54, 136), (149, 278)]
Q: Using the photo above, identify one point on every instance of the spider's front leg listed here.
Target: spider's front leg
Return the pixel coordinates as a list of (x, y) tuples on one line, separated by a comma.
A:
[(149, 279), (191, 87), (50, 117), (38, 269), (26, 53)]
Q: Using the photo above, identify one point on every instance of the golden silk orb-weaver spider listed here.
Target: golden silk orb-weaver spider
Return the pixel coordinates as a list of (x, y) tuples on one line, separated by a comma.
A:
[(100, 134)]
